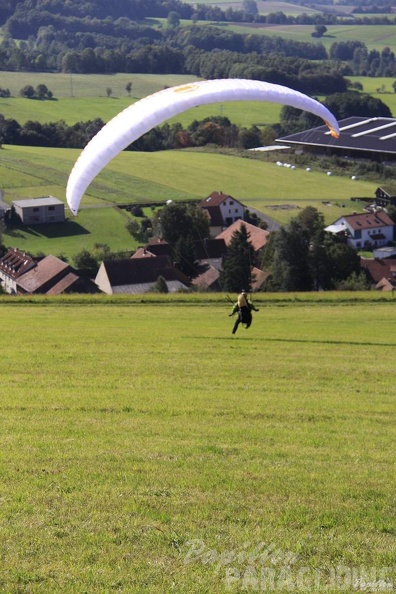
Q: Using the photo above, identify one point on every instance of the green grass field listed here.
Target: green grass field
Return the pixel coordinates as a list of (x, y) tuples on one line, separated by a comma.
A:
[(145, 449), (374, 36), (31, 172), (89, 100)]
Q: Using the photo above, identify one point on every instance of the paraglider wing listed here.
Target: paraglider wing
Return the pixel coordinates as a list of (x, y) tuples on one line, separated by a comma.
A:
[(142, 116)]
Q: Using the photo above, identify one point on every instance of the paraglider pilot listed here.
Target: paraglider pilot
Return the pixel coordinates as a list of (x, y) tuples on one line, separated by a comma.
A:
[(243, 307)]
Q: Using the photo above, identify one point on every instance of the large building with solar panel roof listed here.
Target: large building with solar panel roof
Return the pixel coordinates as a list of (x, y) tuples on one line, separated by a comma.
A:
[(360, 138)]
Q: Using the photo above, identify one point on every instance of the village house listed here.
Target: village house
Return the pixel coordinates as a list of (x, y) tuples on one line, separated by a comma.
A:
[(222, 210), (381, 273), (367, 230), (209, 252), (14, 264), (385, 195), (21, 274), (36, 211), (139, 275), (257, 237)]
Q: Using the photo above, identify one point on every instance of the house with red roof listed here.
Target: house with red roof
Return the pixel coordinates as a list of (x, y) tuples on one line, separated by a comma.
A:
[(222, 211), (381, 273), (366, 230), (258, 237), (20, 274)]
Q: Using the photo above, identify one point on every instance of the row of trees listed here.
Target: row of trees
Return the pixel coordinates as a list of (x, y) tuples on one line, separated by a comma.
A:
[(41, 91)]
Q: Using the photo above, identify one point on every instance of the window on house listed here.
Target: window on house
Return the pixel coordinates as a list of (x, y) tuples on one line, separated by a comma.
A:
[(51, 208), (231, 202), (35, 209)]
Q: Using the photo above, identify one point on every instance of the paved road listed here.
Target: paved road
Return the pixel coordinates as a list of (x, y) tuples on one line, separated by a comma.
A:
[(272, 225)]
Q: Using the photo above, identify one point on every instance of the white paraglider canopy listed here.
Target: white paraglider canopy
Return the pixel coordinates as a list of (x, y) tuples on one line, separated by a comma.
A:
[(142, 116)]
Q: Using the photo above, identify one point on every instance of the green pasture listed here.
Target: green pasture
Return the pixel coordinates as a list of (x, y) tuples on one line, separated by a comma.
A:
[(31, 172), (146, 449), (374, 36), (90, 101), (264, 7), (245, 114), (380, 88), (92, 226), (65, 85)]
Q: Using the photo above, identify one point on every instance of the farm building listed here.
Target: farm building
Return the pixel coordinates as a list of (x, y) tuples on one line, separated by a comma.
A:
[(36, 211), (367, 230), (364, 138)]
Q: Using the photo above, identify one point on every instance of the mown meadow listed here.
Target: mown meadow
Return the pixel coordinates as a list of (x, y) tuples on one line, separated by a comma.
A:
[(81, 98), (133, 177), (146, 449)]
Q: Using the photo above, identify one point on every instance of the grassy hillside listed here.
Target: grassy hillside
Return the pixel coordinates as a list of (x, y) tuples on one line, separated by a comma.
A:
[(168, 175), (265, 7), (145, 449)]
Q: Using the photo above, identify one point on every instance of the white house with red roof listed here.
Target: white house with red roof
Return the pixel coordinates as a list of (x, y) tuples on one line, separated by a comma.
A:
[(20, 274), (222, 210), (367, 230)]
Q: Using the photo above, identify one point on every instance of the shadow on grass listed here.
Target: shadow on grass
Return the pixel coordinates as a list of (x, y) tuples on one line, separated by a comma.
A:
[(298, 340), (51, 231)]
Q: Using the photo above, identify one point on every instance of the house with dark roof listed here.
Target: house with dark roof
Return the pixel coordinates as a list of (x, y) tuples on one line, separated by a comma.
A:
[(367, 230), (360, 137), (21, 274), (138, 275), (385, 195), (222, 211), (209, 253)]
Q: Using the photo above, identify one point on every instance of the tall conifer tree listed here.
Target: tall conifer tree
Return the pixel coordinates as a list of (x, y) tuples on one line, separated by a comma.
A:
[(237, 269)]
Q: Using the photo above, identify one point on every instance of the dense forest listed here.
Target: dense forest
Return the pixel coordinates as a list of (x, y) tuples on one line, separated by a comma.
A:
[(105, 36)]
